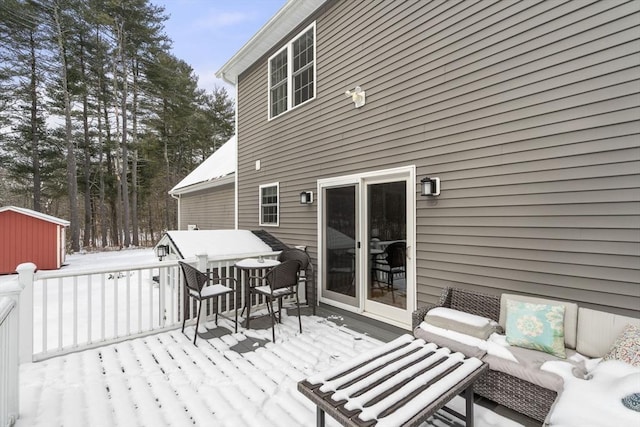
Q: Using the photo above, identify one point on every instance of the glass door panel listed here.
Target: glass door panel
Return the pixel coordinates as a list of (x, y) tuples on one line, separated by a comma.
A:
[(340, 241), (386, 251)]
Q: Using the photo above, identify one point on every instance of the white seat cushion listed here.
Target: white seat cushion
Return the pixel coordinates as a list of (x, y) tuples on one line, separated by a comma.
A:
[(277, 293), (213, 290)]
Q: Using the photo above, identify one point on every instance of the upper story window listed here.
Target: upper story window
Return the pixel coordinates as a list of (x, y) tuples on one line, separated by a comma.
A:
[(269, 204), (292, 73)]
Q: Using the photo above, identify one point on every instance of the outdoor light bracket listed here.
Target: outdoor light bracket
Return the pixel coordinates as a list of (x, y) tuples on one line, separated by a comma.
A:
[(306, 197), (162, 251), (430, 186), (358, 96)]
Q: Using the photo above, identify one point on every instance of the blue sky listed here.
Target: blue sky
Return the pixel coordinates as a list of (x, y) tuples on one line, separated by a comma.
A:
[(206, 33)]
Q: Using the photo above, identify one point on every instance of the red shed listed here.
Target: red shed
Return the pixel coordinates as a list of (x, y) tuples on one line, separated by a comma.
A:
[(30, 236)]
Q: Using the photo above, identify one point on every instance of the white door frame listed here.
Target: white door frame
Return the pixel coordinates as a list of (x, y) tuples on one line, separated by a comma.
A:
[(383, 313)]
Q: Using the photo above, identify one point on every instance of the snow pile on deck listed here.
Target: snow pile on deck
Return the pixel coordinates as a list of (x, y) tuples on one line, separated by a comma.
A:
[(164, 380)]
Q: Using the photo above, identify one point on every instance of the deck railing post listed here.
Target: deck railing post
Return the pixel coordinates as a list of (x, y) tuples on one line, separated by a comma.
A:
[(16, 319), (9, 368), (26, 276), (202, 261)]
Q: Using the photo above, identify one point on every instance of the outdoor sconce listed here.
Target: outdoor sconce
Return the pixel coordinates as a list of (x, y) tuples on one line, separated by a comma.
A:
[(430, 186), (358, 96), (306, 197), (162, 251)]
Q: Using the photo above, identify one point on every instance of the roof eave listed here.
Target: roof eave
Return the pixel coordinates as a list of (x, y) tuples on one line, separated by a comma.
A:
[(37, 215), (282, 23), (227, 179)]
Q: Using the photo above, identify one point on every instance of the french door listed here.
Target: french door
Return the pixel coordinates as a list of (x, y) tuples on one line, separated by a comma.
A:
[(366, 234)]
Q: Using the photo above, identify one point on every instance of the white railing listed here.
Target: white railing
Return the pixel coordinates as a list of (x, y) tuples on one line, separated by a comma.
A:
[(76, 310), (8, 361)]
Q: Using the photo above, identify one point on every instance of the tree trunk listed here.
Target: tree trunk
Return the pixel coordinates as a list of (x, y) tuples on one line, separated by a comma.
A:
[(71, 158), (124, 182), (134, 159), (165, 138), (88, 216), (35, 137), (112, 172), (101, 183)]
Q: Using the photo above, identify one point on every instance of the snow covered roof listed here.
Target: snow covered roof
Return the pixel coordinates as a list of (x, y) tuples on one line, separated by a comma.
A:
[(216, 170), (215, 243), (281, 24), (36, 214)]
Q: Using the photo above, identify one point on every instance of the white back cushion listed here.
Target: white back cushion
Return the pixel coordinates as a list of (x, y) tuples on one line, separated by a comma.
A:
[(570, 314), (598, 330)]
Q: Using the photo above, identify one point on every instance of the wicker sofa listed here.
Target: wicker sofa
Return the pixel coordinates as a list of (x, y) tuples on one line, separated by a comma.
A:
[(585, 334)]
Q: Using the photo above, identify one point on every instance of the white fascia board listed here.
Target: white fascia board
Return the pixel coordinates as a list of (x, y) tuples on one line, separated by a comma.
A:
[(292, 14), (229, 179), (36, 214)]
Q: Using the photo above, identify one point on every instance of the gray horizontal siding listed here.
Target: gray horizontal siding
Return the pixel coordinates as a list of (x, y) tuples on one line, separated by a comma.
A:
[(527, 111), (211, 209)]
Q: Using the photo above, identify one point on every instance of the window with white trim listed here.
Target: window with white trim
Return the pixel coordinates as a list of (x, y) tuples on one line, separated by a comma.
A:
[(292, 73), (269, 204)]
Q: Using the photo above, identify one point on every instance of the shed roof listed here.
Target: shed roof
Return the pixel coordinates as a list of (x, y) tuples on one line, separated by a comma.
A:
[(219, 168), (282, 23), (36, 214), (215, 243)]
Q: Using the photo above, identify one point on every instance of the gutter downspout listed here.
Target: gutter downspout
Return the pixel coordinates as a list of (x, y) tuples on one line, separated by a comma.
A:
[(234, 83), (237, 156), (178, 199)]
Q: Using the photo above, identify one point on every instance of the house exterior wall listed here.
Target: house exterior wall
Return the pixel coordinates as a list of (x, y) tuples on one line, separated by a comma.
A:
[(29, 239), (211, 209), (527, 111)]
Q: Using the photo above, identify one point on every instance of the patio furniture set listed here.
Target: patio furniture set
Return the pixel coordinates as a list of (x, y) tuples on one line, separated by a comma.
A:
[(391, 388), (457, 348), (281, 278), (527, 376)]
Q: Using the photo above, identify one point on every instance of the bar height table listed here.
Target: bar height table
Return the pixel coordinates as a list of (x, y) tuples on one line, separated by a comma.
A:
[(248, 264)]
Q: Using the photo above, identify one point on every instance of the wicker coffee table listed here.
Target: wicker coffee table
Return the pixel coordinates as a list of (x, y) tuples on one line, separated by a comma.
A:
[(402, 383)]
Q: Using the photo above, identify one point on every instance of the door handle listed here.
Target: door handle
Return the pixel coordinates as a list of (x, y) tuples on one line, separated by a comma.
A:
[(408, 252)]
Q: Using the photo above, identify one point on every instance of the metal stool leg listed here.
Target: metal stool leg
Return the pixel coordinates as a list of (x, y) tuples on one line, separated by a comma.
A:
[(195, 335)]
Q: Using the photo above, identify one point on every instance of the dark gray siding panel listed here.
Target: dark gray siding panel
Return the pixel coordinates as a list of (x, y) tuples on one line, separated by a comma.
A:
[(211, 209), (528, 112)]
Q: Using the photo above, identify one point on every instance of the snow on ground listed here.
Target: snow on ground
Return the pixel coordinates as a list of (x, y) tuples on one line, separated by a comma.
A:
[(88, 260), (164, 380), (88, 303)]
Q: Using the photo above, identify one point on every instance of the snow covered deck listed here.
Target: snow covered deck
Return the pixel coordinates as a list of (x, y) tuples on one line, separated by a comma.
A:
[(227, 380), (164, 380)]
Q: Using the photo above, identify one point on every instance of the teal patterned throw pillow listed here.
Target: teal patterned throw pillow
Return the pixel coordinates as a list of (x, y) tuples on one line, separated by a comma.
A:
[(536, 326)]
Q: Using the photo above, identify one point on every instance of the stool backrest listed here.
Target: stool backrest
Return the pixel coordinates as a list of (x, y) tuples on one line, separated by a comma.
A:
[(295, 254), (284, 275), (396, 254), (194, 279)]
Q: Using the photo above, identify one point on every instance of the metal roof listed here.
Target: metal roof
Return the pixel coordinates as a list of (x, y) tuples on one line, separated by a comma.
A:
[(217, 169)]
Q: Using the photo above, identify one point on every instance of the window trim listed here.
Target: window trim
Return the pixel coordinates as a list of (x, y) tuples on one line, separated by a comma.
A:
[(260, 216), (290, 91)]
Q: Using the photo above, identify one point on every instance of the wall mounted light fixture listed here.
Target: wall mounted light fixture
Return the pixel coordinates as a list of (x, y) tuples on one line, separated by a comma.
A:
[(162, 251), (306, 197), (358, 96), (430, 186)]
